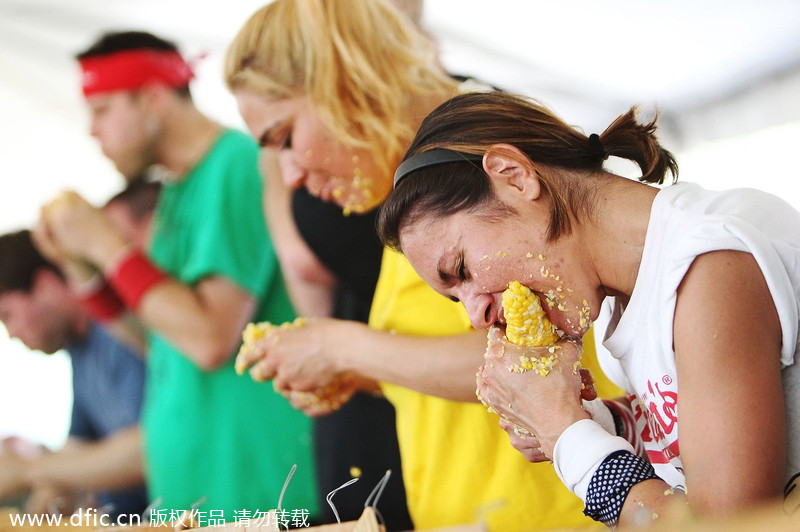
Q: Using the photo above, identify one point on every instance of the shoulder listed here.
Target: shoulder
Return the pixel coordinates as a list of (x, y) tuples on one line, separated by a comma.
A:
[(234, 149)]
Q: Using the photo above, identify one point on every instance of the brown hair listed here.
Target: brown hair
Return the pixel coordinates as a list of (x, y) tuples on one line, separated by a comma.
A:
[(121, 41), (139, 197), (471, 123), (19, 262)]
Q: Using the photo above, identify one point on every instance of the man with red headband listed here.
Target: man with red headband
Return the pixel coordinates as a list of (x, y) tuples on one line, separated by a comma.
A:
[(213, 441)]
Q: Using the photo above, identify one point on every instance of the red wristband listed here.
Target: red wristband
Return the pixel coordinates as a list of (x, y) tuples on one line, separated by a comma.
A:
[(102, 303), (133, 276)]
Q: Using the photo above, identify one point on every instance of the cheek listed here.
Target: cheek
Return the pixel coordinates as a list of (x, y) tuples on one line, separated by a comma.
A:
[(117, 136)]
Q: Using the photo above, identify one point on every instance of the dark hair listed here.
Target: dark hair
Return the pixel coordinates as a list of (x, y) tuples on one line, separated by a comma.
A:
[(120, 41), (139, 196), (471, 123), (19, 261)]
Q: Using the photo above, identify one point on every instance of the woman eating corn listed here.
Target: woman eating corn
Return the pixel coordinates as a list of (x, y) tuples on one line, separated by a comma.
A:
[(509, 192), (334, 90)]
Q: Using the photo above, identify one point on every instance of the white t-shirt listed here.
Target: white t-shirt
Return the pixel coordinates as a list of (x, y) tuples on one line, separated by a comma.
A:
[(685, 222)]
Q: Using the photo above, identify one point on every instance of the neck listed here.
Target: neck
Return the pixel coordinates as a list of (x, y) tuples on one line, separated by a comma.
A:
[(186, 137), (616, 233), (81, 323)]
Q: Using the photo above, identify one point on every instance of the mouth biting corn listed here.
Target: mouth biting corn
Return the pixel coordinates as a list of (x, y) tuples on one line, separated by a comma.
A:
[(527, 325)]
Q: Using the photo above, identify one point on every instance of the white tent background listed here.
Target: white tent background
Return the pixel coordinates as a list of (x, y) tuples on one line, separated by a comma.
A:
[(724, 76)]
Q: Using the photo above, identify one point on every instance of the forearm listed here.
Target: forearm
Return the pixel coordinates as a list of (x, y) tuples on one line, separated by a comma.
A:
[(647, 501), (128, 329), (311, 300), (310, 285), (443, 366), (109, 464), (206, 330)]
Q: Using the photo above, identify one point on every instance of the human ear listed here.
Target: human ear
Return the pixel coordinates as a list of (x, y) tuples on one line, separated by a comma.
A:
[(44, 281), (511, 172), (153, 98)]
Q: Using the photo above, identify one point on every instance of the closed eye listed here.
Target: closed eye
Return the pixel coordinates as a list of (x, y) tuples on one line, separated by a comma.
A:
[(278, 135), (287, 142), (461, 269)]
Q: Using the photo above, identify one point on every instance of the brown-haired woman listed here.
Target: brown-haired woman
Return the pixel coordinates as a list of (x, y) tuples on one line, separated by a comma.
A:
[(706, 290)]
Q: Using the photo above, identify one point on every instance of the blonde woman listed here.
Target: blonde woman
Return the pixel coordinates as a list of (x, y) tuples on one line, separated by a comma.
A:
[(334, 90)]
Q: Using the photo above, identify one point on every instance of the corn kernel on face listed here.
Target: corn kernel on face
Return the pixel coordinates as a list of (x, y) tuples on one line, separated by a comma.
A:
[(526, 321)]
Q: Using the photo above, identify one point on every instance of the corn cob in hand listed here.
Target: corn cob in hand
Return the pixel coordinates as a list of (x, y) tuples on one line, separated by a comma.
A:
[(527, 325), (254, 332), (320, 401)]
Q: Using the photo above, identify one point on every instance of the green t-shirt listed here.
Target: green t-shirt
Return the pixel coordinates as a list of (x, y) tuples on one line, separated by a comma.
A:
[(214, 434)]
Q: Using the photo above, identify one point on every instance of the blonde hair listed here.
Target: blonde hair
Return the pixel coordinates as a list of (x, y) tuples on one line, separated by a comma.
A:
[(360, 62)]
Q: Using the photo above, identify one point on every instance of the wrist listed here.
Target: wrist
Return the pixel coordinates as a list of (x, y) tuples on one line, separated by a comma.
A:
[(78, 273), (132, 276), (104, 250), (549, 437), (99, 299), (602, 414), (580, 450), (347, 357)]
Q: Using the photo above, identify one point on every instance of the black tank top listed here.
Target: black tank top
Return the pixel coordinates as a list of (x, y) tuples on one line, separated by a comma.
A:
[(362, 433)]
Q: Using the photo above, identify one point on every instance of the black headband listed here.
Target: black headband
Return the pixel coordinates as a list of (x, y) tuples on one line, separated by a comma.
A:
[(431, 158)]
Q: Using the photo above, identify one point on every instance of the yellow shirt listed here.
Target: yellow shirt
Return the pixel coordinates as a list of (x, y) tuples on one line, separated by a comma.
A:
[(458, 465)]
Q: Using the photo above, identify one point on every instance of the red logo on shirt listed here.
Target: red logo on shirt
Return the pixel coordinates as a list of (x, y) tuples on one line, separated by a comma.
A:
[(660, 415)]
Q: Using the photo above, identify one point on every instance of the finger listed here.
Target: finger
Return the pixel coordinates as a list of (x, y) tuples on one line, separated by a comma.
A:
[(285, 380), (248, 355), (510, 430), (588, 391), (496, 340), (263, 370), (495, 334), (311, 404), (535, 456), (243, 361), (253, 352)]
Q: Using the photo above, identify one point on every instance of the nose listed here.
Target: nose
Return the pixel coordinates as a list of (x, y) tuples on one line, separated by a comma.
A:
[(292, 175), (12, 332), (480, 308), (17, 333)]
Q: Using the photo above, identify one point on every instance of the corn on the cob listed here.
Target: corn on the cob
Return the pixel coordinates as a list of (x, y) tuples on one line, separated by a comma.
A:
[(526, 322), (527, 325), (330, 397), (254, 332)]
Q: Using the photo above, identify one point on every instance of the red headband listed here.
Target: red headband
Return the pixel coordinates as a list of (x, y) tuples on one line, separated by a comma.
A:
[(132, 69)]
